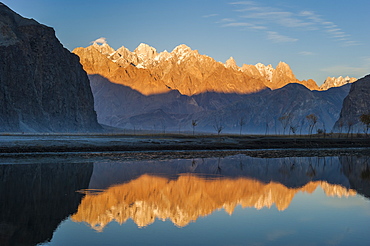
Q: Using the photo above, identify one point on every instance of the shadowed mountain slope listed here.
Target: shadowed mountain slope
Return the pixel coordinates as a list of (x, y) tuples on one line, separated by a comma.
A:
[(43, 87), (355, 104), (120, 106)]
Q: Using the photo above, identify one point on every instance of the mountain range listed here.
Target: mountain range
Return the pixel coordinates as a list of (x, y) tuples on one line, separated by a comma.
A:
[(187, 71), (167, 91)]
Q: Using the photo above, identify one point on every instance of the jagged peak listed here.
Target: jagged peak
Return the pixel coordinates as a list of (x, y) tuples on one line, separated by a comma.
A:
[(144, 48), (231, 63), (181, 49), (103, 48), (145, 52), (336, 82), (164, 55), (282, 64), (123, 49), (261, 65)]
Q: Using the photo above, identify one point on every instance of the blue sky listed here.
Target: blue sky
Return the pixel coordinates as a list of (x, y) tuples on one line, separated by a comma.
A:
[(317, 38)]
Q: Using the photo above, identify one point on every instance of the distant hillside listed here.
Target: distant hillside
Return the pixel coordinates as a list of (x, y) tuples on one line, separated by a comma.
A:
[(120, 106)]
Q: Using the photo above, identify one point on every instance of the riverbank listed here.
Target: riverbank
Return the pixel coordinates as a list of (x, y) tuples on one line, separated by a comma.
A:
[(31, 143)]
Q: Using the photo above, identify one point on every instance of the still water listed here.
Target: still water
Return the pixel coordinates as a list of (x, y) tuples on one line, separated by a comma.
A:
[(228, 200)]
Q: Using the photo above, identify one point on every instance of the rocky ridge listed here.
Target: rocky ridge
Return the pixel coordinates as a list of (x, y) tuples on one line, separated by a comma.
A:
[(120, 106), (43, 87), (183, 69), (189, 72), (336, 82)]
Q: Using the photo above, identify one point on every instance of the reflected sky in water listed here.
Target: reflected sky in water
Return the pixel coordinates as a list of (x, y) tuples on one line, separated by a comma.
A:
[(310, 220), (234, 200)]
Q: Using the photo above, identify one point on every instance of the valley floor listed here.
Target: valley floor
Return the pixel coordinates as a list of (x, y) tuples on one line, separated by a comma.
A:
[(106, 143)]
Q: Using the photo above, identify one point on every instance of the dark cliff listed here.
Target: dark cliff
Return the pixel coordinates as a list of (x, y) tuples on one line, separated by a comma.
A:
[(43, 87), (354, 105)]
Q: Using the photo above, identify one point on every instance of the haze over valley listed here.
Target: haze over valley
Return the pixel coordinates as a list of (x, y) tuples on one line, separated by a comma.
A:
[(104, 144), (166, 91)]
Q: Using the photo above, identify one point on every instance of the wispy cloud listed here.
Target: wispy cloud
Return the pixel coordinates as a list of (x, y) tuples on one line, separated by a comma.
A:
[(351, 43), (210, 15), (306, 53), (243, 3), (244, 24), (237, 24), (278, 38), (225, 20), (254, 15), (282, 18), (331, 29), (100, 41)]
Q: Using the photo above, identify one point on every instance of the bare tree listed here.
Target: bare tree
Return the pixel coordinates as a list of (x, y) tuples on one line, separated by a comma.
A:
[(285, 120), (312, 120), (241, 124), (293, 129), (267, 128), (340, 125), (349, 127), (163, 126), (365, 119), (218, 126), (194, 123)]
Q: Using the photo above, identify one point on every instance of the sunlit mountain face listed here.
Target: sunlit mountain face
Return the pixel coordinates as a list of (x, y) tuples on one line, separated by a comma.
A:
[(186, 198), (185, 70)]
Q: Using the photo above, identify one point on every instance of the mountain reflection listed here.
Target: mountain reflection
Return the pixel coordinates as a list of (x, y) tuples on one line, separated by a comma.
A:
[(186, 198), (35, 198)]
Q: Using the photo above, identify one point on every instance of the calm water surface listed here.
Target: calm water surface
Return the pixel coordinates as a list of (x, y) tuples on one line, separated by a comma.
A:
[(232, 200)]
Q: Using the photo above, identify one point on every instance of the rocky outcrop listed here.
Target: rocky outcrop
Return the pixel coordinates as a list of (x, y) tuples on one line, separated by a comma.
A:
[(43, 87), (231, 63), (355, 104)]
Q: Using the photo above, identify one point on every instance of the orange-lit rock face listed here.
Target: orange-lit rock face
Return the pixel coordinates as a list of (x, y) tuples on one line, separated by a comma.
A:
[(183, 69), (187, 198)]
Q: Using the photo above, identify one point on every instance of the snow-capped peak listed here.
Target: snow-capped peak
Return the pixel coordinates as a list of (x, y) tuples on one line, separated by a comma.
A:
[(145, 52), (181, 49), (265, 71)]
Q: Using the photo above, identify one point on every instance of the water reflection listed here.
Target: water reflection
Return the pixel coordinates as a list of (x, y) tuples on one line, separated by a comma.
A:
[(357, 170), (186, 198), (35, 198), (184, 190)]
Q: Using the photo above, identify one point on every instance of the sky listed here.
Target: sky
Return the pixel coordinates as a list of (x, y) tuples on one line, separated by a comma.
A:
[(317, 38)]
